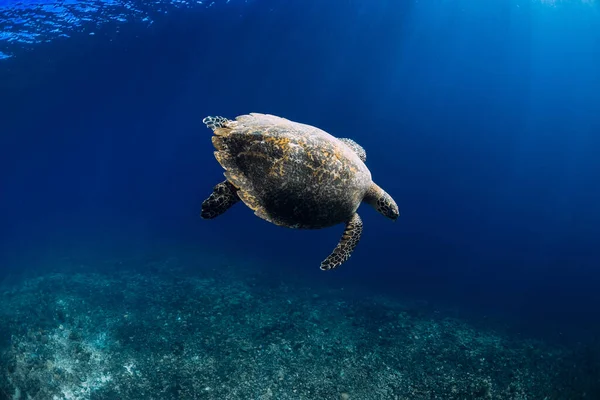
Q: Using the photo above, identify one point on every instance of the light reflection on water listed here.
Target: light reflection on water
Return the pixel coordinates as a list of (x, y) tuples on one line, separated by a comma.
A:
[(26, 24)]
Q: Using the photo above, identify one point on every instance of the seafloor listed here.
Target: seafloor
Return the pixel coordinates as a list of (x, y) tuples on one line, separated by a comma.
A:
[(163, 331)]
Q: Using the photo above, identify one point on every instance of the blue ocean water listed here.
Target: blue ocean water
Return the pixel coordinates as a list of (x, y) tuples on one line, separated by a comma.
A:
[(481, 119)]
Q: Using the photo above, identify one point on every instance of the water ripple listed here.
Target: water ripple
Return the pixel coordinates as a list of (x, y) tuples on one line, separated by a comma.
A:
[(24, 24)]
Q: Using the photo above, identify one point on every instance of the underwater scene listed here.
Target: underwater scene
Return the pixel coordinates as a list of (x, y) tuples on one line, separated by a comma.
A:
[(300, 199)]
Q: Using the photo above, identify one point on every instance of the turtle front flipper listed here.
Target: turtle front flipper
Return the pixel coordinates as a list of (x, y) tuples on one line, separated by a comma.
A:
[(221, 199), (346, 245)]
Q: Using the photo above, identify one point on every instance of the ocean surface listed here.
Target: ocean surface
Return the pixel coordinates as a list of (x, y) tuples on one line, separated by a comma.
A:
[(480, 118)]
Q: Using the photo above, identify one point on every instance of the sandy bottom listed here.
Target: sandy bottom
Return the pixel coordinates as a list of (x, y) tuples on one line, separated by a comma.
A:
[(159, 331)]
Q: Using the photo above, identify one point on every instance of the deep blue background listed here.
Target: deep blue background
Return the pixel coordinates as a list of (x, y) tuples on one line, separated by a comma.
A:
[(482, 119)]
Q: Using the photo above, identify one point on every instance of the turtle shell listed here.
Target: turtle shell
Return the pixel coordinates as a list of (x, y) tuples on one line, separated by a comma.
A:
[(289, 173)]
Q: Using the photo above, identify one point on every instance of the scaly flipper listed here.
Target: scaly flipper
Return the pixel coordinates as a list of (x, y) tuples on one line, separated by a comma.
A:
[(221, 199), (346, 245), (357, 148), (215, 122)]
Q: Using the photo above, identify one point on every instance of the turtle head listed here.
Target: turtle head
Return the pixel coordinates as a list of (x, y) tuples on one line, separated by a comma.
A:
[(382, 202)]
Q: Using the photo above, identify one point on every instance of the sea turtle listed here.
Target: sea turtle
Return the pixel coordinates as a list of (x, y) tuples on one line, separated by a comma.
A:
[(294, 175)]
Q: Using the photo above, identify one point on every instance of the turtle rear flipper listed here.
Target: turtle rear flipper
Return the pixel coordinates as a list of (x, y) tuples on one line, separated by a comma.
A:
[(346, 245), (221, 199), (357, 148), (215, 123)]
